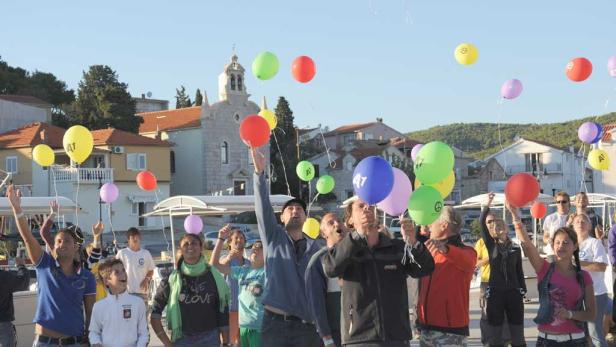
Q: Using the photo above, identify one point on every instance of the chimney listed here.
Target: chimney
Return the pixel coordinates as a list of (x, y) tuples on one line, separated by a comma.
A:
[(43, 137), (143, 96)]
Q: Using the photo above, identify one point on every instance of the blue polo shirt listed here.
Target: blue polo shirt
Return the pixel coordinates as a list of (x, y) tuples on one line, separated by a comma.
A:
[(60, 297), (251, 282)]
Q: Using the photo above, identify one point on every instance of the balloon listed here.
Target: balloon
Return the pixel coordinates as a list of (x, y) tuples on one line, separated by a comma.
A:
[(397, 200), (193, 224), (611, 66), (538, 210), (598, 159), (587, 132), (373, 179), (305, 170), (270, 117), (78, 143), (415, 150), (579, 69), (265, 66), (521, 189), (434, 162), (109, 192), (444, 187), (146, 180), (303, 69), (466, 54), (599, 133), (311, 228), (425, 205), (325, 184), (255, 131), (43, 155), (511, 89)]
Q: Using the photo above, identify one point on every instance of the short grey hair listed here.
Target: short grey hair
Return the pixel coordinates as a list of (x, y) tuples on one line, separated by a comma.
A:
[(451, 217)]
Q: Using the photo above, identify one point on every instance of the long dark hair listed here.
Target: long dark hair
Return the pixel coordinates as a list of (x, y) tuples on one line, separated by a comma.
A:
[(573, 236)]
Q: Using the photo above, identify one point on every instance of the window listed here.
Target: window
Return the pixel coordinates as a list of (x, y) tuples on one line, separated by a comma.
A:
[(316, 170), (136, 161), (239, 82), (11, 164), (349, 165), (172, 161), (99, 161), (232, 82), (368, 136), (239, 187), (224, 152), (349, 194), (135, 209), (534, 163)]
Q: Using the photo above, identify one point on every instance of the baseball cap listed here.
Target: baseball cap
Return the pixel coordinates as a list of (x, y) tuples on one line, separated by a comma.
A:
[(295, 201)]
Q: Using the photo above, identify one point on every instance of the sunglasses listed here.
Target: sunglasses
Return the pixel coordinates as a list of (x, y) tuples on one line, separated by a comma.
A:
[(562, 202)]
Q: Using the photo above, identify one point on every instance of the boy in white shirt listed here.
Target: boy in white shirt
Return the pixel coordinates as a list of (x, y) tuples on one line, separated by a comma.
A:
[(118, 320), (138, 263)]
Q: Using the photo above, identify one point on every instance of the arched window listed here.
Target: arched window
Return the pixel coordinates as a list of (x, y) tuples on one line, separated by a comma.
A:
[(232, 82), (239, 82), (172, 161), (224, 152)]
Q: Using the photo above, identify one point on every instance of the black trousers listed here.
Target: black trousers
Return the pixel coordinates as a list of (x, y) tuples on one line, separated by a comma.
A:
[(500, 303)]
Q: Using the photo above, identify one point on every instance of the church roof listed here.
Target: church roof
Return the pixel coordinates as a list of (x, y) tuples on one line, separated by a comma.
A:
[(349, 128), (180, 118)]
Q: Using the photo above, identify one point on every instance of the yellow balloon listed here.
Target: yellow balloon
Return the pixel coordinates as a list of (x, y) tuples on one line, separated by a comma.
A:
[(598, 159), (444, 187), (78, 143), (43, 155), (311, 228), (466, 54), (270, 117)]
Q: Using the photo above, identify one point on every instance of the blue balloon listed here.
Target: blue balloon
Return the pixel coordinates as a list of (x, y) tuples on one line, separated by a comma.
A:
[(599, 133), (373, 179)]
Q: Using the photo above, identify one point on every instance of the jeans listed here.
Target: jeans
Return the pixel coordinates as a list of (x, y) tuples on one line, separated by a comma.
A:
[(205, 339), (8, 337), (595, 328), (40, 344), (279, 333), (541, 342)]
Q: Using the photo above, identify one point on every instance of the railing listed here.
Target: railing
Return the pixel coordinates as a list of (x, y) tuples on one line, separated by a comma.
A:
[(85, 175), (545, 168)]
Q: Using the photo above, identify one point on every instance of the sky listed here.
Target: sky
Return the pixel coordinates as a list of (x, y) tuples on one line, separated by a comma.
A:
[(375, 58)]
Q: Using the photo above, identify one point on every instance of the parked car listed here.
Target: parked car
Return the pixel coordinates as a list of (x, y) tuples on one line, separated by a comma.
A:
[(395, 229)]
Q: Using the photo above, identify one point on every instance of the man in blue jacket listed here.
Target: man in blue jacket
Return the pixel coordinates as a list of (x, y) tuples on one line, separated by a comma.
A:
[(286, 319)]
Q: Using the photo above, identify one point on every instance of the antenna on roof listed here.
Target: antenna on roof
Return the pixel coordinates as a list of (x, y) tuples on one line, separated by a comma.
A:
[(149, 94)]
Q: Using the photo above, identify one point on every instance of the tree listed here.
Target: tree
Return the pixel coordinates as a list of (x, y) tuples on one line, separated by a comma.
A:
[(182, 99), (102, 101), (286, 137), (405, 165), (198, 98)]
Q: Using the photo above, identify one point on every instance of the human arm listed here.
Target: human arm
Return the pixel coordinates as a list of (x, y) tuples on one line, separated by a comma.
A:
[(88, 304), (520, 273), (546, 231), (95, 256), (145, 283), (16, 280), (224, 267), (596, 260), (223, 322), (588, 313), (339, 257), (485, 234), (593, 266), (32, 246), (266, 219), (464, 258), (160, 302), (316, 292), (611, 244), (527, 245), (95, 334), (45, 230), (424, 263), (143, 335)]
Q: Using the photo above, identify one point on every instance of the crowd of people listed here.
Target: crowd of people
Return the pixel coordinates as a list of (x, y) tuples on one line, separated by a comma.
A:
[(349, 287)]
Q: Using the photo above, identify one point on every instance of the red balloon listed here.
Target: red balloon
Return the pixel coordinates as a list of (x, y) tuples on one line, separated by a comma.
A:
[(303, 69), (254, 131), (579, 69), (538, 210), (146, 180), (521, 189)]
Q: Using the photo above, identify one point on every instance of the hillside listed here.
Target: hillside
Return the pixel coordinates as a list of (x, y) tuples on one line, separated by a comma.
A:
[(481, 139)]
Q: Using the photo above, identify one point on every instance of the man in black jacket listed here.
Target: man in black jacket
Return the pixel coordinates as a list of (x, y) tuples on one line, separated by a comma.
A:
[(374, 269), (10, 282)]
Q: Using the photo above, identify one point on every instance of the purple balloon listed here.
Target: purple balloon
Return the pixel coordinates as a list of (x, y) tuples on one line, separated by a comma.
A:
[(397, 201), (511, 89), (415, 150), (193, 224), (611, 66), (588, 131), (109, 192), (599, 133)]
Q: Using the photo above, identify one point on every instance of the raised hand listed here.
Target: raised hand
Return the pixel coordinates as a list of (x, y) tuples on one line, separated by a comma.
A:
[(258, 159), (408, 230), (490, 198), (97, 229), (53, 207), (14, 196), (224, 232)]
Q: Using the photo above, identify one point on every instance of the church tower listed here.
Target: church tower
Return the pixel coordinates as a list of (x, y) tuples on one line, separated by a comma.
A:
[(231, 86)]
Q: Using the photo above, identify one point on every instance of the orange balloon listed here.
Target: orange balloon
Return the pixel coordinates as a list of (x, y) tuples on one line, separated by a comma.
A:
[(579, 69), (146, 180), (303, 69)]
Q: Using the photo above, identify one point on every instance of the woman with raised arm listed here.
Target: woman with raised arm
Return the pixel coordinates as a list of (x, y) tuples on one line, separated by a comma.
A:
[(566, 295)]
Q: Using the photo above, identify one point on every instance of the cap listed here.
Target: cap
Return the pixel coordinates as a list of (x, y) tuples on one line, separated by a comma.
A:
[(295, 201)]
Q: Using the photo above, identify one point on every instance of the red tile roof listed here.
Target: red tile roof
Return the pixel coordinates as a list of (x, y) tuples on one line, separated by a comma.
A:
[(349, 128), (607, 132), (30, 136), (25, 99), (180, 118)]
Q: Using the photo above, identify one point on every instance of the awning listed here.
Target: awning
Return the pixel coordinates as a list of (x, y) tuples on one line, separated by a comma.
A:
[(141, 198), (37, 205), (499, 200)]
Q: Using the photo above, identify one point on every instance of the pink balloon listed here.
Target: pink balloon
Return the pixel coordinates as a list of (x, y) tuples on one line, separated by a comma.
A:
[(397, 201), (611, 66), (415, 150), (511, 89), (109, 192), (193, 224)]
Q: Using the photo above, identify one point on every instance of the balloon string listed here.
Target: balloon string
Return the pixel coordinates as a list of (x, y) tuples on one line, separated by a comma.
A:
[(498, 124), (284, 170), (309, 194), (162, 221), (110, 222), (77, 199), (407, 13), (312, 201), (329, 158)]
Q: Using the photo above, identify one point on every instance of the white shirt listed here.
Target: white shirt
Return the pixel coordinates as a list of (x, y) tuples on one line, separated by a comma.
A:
[(593, 250), (551, 223), (119, 321), (137, 265)]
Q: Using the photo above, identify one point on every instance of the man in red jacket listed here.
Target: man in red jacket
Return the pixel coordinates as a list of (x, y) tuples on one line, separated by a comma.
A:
[(443, 296)]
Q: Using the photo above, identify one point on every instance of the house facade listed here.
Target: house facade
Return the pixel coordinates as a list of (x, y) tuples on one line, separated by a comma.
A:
[(346, 134), (19, 110)]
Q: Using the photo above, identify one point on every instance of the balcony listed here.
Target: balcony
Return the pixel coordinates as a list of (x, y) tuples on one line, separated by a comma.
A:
[(84, 175), (550, 168)]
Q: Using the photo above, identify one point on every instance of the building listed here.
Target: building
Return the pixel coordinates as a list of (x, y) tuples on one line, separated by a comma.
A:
[(208, 156), (118, 157), (605, 181), (19, 110), (144, 104), (346, 134)]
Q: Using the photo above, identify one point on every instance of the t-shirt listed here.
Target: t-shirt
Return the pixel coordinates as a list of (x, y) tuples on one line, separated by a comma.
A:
[(593, 250), (551, 223), (482, 252), (251, 283), (60, 297), (234, 289), (564, 292), (137, 265)]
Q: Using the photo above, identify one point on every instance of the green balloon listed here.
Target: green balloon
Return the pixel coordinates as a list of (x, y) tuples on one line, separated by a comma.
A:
[(305, 170), (325, 184), (425, 205), (434, 162), (265, 66)]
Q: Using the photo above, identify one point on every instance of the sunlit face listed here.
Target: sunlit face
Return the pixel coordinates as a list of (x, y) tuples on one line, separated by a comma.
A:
[(117, 279), (332, 229), (362, 215), (581, 202), (237, 240), (500, 229), (256, 257), (134, 242), (563, 205), (563, 246), (191, 249), (293, 216), (582, 225), (490, 223), (65, 246)]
